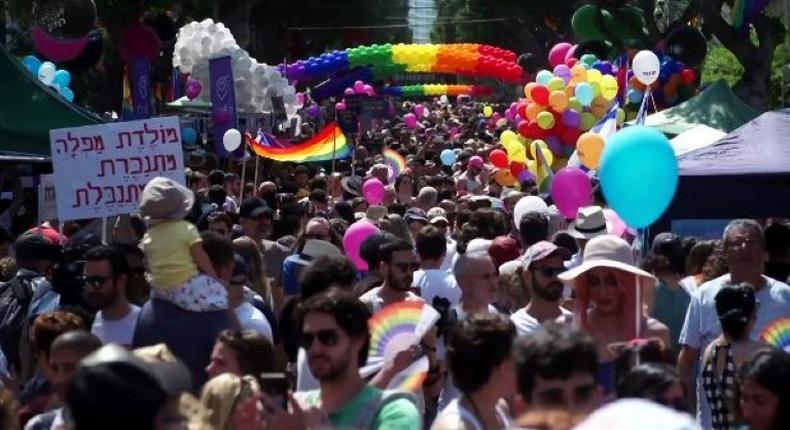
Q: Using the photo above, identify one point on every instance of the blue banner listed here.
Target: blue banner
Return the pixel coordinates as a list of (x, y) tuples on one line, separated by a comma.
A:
[(223, 103)]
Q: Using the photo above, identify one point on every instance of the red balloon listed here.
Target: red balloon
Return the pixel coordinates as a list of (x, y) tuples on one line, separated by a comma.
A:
[(570, 62), (687, 76), (534, 131), (516, 167), (569, 136), (523, 128), (540, 95), (521, 109), (498, 158)]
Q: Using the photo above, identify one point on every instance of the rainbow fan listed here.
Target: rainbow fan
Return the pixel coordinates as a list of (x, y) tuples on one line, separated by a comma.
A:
[(395, 163), (394, 329), (777, 334)]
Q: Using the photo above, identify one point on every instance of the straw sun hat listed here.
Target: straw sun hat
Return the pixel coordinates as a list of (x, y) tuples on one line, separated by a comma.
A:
[(606, 251)]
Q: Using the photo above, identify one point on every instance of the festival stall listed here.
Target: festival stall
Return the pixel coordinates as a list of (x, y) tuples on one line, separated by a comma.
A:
[(745, 174)]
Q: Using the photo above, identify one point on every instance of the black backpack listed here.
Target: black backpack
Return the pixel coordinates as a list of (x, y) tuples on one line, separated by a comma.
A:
[(15, 298)]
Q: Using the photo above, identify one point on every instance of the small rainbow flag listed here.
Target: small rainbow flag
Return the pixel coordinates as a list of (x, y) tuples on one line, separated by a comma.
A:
[(777, 334), (395, 162), (330, 141)]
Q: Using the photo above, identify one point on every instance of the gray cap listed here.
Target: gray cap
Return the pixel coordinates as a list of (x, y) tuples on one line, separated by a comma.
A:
[(164, 198)]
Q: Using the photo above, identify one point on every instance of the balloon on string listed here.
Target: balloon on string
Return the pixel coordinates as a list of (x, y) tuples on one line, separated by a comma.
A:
[(525, 176), (543, 77), (411, 120), (558, 53), (353, 238), (634, 96), (373, 191), (504, 178), (646, 67), (193, 88), (528, 204), (639, 174), (359, 87), (313, 111), (516, 167), (487, 111), (188, 136), (571, 189), (527, 89), (231, 140), (558, 101), (545, 120), (584, 93), (589, 148), (609, 87), (588, 121), (540, 95), (349, 92), (498, 158), (556, 84), (555, 144), (447, 157), (545, 152), (571, 118), (419, 110), (564, 72)]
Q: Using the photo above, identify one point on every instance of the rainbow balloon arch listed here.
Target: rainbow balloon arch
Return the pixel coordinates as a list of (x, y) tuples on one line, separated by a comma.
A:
[(378, 62)]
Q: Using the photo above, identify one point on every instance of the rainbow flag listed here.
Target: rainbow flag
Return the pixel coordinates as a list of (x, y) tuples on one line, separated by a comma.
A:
[(329, 141)]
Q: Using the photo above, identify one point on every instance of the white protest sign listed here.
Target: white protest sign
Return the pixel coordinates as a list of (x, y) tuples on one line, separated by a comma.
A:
[(47, 209), (101, 170)]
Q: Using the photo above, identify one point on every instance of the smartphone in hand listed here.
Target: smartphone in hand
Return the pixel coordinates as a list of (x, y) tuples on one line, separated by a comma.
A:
[(276, 386)]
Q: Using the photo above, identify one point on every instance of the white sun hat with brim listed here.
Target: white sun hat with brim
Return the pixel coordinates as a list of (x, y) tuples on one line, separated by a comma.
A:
[(606, 251), (315, 248), (627, 414)]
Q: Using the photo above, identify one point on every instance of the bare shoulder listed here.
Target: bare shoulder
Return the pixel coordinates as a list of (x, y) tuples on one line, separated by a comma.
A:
[(655, 328)]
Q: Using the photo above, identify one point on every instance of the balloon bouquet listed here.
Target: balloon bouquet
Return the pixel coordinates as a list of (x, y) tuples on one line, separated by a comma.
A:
[(675, 83), (360, 89), (50, 76)]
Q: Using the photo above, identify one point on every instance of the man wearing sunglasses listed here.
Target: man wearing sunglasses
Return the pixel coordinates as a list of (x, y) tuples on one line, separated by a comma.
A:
[(542, 263), (106, 275), (398, 263)]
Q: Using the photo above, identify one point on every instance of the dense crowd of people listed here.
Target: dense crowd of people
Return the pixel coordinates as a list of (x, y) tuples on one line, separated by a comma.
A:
[(233, 303)]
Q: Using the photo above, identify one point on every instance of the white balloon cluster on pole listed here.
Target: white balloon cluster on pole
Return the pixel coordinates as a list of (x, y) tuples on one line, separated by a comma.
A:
[(255, 83)]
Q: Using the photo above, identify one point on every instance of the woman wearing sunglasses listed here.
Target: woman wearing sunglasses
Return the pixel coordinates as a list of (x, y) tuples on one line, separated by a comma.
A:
[(606, 286)]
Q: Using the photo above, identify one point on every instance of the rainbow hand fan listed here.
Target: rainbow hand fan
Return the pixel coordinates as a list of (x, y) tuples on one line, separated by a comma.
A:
[(396, 328), (396, 164), (777, 334)]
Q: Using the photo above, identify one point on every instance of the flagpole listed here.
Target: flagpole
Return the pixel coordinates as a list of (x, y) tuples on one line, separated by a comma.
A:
[(334, 152), (243, 173)]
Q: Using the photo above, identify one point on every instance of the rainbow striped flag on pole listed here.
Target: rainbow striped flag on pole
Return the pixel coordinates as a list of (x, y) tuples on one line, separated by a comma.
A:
[(329, 143)]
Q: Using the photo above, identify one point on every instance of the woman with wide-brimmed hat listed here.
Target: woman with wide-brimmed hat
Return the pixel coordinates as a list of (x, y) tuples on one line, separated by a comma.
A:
[(608, 287)]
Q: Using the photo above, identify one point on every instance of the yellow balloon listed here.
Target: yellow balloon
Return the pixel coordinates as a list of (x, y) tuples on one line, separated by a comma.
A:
[(538, 144), (507, 136), (596, 86), (578, 73), (558, 101), (594, 75), (488, 111), (609, 87), (589, 148), (516, 151)]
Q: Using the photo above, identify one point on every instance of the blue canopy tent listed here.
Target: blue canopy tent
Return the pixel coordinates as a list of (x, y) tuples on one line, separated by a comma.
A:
[(746, 174)]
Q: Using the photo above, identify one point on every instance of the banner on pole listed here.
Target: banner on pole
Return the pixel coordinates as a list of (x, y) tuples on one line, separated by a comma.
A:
[(223, 103), (101, 170), (141, 87)]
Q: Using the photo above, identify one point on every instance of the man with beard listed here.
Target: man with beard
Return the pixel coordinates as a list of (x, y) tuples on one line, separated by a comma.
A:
[(542, 263), (336, 338), (397, 267), (106, 274)]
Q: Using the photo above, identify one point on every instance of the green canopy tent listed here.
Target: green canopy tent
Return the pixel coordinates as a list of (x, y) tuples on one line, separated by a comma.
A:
[(30, 109), (716, 107)]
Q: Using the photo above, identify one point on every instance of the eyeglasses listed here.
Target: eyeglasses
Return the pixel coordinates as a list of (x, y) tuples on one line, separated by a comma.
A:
[(95, 281), (549, 272), (407, 267), (326, 337)]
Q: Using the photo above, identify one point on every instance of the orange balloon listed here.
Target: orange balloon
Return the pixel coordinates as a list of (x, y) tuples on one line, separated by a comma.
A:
[(504, 178), (589, 148), (599, 107), (558, 101), (570, 90), (528, 89), (533, 110)]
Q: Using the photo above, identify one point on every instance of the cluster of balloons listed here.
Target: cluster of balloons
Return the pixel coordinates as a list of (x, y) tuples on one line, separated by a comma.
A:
[(463, 59), (360, 88), (670, 81), (50, 76), (427, 90), (254, 83), (561, 107), (337, 85)]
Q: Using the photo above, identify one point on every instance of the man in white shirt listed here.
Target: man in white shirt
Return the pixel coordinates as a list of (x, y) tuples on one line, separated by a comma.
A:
[(744, 247), (431, 281), (250, 318), (542, 263), (106, 274)]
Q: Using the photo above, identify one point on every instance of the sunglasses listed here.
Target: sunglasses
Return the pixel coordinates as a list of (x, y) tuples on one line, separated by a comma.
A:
[(326, 337), (95, 281), (407, 267), (550, 272)]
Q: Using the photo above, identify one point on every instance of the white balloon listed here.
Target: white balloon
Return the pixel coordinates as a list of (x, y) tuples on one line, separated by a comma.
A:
[(46, 72), (529, 204), (646, 67), (231, 140)]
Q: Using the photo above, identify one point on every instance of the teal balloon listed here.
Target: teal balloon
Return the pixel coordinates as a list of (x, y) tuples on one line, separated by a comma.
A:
[(66, 93), (62, 78), (32, 64), (448, 157), (188, 136), (584, 93), (543, 77), (639, 175)]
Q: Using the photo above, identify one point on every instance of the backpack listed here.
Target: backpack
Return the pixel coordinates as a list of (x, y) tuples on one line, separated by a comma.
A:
[(15, 298), (370, 412)]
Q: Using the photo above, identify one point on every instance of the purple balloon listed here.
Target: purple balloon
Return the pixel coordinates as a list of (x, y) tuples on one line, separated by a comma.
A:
[(526, 175), (563, 71), (570, 190), (194, 87), (313, 111), (509, 115), (571, 118), (554, 143)]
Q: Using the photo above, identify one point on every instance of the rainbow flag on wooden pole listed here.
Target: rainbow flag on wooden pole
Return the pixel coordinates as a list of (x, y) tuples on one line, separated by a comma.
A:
[(327, 145)]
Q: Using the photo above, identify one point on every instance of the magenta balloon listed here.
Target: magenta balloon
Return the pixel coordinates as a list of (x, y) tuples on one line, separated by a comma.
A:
[(313, 111), (410, 119), (614, 224), (509, 115), (373, 191), (570, 190), (349, 92), (340, 106), (353, 238), (194, 87), (558, 52), (571, 53), (359, 86)]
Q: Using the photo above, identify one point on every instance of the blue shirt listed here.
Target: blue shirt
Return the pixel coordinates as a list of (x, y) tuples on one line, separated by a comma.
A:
[(669, 307), (292, 268)]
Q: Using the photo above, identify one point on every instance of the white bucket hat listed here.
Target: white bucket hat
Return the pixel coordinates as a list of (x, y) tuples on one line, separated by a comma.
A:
[(315, 248), (606, 251), (590, 222)]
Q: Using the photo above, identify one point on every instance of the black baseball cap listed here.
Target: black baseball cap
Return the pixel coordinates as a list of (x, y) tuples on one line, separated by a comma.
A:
[(34, 246), (253, 207)]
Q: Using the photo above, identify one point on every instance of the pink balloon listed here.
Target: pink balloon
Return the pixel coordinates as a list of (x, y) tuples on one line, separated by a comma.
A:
[(614, 224), (570, 190), (419, 110), (373, 191), (368, 90), (495, 117), (352, 241), (571, 53), (410, 119), (359, 87), (349, 92), (558, 52), (194, 87), (340, 106), (509, 115), (300, 98)]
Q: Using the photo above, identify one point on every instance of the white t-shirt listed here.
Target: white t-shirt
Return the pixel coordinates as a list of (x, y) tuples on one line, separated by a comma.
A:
[(305, 381), (702, 323), (375, 302), (450, 256), (251, 318), (119, 331), (526, 323), (437, 283)]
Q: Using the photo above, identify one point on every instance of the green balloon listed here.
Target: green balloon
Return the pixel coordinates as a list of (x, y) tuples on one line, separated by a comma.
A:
[(588, 121), (556, 84), (545, 120), (575, 104), (585, 25)]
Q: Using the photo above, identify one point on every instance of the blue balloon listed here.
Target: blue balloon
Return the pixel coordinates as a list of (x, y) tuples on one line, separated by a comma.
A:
[(584, 93), (543, 77), (66, 93), (639, 174), (634, 96), (448, 157), (62, 78), (32, 64), (188, 136)]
